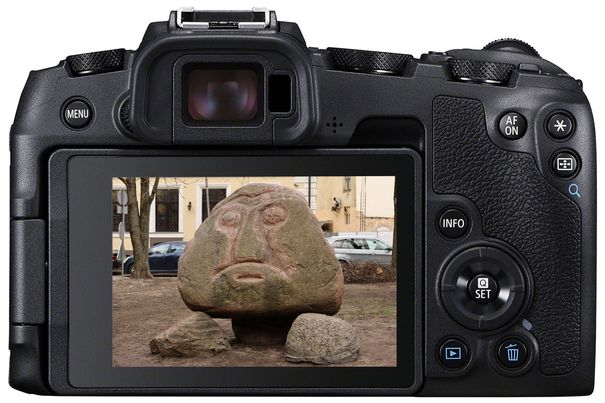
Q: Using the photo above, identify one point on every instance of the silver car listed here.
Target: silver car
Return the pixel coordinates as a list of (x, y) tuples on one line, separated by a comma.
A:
[(354, 250)]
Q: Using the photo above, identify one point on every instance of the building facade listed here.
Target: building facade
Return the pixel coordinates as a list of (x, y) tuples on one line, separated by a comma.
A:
[(182, 203)]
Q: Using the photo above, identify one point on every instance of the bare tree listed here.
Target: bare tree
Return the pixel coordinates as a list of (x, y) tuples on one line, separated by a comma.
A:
[(138, 216), (394, 246)]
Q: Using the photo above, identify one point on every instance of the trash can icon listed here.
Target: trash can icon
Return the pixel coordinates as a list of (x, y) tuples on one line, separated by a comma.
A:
[(512, 352)]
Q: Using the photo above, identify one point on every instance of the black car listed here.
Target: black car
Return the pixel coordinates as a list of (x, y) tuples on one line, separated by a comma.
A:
[(163, 258)]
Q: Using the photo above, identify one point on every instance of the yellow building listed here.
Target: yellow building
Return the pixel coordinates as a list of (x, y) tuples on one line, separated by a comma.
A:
[(180, 204), (376, 210)]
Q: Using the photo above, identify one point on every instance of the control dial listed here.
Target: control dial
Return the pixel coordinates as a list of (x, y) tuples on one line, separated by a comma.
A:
[(367, 61), (96, 62), (483, 288), (481, 71), (512, 45)]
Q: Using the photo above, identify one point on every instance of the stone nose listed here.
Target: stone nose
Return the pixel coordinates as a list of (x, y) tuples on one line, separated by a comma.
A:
[(250, 245)]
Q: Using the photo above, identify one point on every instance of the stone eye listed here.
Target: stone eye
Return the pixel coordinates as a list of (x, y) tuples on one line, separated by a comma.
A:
[(230, 219), (274, 215)]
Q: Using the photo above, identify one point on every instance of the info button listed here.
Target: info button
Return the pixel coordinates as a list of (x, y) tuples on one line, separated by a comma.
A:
[(453, 223)]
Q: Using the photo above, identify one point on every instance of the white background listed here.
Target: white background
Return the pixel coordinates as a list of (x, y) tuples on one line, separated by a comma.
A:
[(37, 34)]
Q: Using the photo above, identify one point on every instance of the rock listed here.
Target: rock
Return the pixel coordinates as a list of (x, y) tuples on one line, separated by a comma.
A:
[(196, 334), (260, 253), (261, 331), (321, 339)]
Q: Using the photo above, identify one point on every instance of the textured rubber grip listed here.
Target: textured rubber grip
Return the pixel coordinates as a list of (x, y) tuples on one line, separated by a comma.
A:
[(368, 61), (96, 62), (476, 70), (520, 207)]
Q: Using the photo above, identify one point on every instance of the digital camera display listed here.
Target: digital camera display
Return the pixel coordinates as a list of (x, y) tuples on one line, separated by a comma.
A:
[(254, 271)]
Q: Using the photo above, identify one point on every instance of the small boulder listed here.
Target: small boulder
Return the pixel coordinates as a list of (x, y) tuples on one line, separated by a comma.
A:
[(196, 334), (321, 339)]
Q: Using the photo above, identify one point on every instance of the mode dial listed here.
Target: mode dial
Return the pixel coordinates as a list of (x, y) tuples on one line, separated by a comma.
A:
[(481, 71), (96, 62), (512, 45), (367, 61)]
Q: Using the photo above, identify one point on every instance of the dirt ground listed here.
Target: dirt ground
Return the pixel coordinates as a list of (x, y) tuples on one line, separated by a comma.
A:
[(144, 308)]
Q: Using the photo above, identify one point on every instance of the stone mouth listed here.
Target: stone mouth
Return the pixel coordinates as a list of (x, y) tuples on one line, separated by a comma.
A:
[(250, 272)]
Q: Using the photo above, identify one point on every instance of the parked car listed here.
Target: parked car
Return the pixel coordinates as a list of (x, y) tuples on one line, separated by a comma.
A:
[(353, 250), (163, 258)]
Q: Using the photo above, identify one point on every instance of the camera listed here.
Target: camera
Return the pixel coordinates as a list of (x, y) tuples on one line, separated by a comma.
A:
[(293, 220)]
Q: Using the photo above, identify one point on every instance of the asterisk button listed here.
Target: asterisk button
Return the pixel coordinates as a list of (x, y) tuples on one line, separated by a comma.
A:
[(560, 125)]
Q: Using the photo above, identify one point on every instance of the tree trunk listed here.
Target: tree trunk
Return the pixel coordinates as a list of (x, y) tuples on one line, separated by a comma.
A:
[(394, 246), (138, 216)]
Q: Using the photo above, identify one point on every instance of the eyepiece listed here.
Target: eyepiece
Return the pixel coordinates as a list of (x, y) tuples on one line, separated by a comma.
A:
[(227, 94)]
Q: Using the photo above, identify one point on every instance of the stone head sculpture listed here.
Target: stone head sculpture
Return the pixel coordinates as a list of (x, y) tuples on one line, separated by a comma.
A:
[(260, 253)]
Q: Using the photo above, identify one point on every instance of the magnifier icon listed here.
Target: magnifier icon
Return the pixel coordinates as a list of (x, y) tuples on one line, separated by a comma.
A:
[(574, 190)]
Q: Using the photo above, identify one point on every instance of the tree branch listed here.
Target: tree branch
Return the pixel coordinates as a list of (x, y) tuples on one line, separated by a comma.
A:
[(155, 188)]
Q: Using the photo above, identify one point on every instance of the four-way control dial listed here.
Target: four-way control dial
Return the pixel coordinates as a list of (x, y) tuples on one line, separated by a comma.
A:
[(367, 61), (96, 62)]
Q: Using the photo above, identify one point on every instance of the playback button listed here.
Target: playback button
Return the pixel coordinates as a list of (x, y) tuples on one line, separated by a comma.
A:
[(453, 353)]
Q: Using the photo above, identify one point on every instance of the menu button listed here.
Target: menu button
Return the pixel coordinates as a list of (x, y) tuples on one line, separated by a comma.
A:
[(77, 114)]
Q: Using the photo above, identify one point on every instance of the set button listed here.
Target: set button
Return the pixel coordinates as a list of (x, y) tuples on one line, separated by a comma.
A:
[(483, 288)]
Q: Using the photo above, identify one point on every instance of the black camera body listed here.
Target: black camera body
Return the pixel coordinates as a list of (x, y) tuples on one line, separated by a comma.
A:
[(496, 222)]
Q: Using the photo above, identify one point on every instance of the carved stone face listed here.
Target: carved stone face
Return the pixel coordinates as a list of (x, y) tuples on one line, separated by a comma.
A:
[(261, 252)]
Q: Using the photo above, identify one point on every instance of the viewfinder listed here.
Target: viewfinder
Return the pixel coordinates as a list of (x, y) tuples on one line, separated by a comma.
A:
[(223, 93)]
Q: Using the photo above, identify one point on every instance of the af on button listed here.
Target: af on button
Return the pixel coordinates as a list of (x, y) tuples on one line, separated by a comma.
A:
[(512, 125), (453, 223), (77, 114)]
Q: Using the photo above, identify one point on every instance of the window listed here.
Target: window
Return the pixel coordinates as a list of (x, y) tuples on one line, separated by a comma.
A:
[(177, 247), (347, 244), (167, 210), (337, 243), (159, 249), (117, 216), (347, 184), (375, 244), (216, 195), (347, 216), (359, 244)]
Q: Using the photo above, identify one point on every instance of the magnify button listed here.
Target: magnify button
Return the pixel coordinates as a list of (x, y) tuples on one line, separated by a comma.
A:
[(574, 190)]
